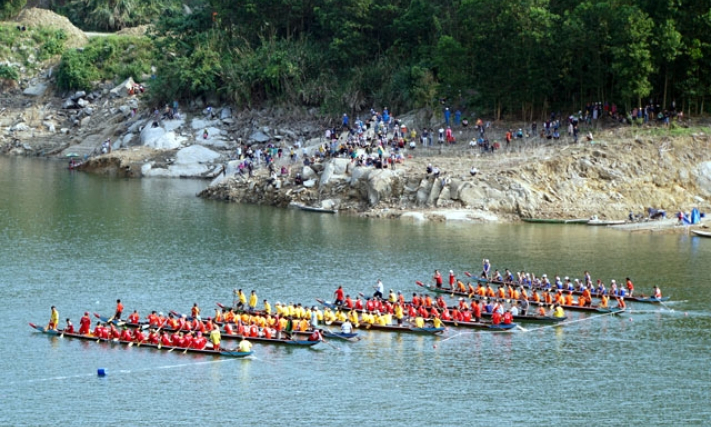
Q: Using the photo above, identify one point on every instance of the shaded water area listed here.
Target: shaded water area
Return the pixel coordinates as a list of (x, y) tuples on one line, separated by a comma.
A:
[(80, 242)]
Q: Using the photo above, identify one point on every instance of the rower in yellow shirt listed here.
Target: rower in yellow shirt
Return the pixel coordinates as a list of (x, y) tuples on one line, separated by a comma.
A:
[(419, 322), (436, 322), (353, 318)]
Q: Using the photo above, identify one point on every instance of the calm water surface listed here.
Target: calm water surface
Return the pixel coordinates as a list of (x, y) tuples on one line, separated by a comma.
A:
[(80, 242)]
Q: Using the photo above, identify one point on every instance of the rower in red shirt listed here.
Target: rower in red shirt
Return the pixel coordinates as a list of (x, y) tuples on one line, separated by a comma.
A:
[(495, 318), (113, 332), (165, 339), (466, 316), (348, 302), (138, 335), (358, 304), (187, 340), (126, 334), (415, 301), (153, 319), (428, 302), (199, 342), (441, 303), (228, 329), (476, 311), (446, 315), (508, 317), (69, 328), (85, 324), (153, 337), (134, 317), (411, 311)]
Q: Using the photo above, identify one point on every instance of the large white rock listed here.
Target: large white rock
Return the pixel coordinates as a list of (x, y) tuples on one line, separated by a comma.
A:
[(37, 90), (358, 174), (122, 89), (201, 124), (159, 139), (195, 154), (307, 173), (174, 124), (259, 137), (704, 177), (379, 185), (212, 133)]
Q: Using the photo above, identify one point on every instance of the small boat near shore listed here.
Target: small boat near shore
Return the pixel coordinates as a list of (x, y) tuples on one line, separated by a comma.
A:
[(701, 233), (556, 220), (316, 209), (606, 222)]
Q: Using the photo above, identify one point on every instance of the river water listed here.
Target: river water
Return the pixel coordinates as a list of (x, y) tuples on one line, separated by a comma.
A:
[(80, 242)]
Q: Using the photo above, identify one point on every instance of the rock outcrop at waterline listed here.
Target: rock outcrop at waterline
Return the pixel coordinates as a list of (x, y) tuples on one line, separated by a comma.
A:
[(607, 179)]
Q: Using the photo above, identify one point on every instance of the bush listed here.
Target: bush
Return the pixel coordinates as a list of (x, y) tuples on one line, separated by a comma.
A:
[(51, 42), (105, 58), (10, 8), (8, 72)]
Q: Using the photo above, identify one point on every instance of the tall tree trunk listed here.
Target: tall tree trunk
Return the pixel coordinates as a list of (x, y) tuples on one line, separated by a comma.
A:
[(666, 83)]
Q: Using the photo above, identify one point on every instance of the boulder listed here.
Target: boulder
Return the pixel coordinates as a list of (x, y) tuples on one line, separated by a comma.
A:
[(78, 94), (379, 185), (50, 126), (423, 191), (121, 90), (435, 190), (359, 173), (472, 196), (703, 177), (200, 123), (195, 154), (84, 122), (259, 137), (125, 110), (308, 173), (226, 113), (212, 133), (37, 90), (309, 183), (68, 103), (81, 102)]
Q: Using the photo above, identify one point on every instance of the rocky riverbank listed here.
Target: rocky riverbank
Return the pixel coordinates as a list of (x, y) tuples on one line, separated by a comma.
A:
[(611, 177), (623, 170)]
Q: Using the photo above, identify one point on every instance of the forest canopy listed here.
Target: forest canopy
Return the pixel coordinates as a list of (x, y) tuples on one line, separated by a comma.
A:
[(504, 58)]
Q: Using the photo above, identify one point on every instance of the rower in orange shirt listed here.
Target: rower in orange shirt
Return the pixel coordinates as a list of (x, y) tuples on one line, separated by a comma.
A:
[(490, 291), (587, 297), (604, 300), (569, 298), (501, 294), (195, 311)]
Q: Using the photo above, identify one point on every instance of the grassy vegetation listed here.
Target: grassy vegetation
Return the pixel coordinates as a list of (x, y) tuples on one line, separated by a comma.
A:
[(22, 46), (105, 58)]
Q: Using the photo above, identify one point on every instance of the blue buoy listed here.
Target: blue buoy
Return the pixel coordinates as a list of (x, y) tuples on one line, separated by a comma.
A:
[(101, 372)]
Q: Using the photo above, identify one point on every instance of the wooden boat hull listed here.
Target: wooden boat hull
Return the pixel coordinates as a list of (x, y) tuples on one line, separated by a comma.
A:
[(480, 325), (221, 353)]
